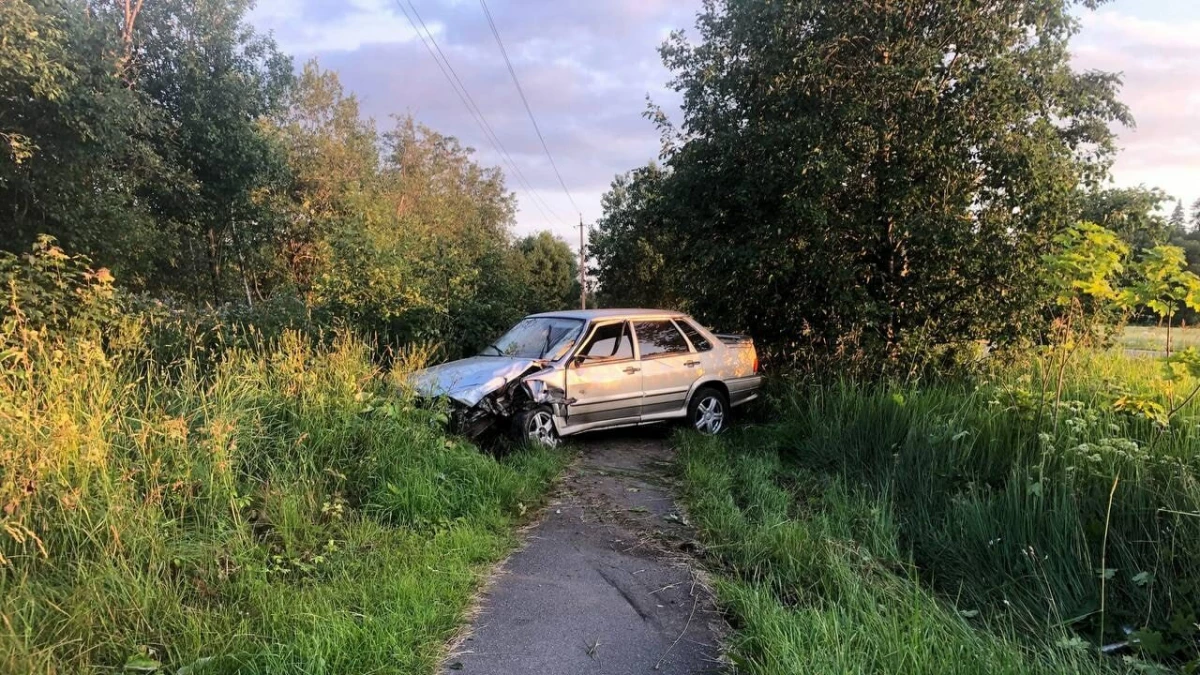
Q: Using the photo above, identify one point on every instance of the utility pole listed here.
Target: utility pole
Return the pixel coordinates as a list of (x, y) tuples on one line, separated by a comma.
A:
[(582, 268)]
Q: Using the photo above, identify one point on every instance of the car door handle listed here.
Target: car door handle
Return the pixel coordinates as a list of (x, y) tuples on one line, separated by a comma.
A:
[(691, 364), (631, 370)]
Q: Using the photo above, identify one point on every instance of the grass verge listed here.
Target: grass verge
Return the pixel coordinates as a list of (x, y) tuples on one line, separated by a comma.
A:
[(960, 526), (287, 510), (813, 580)]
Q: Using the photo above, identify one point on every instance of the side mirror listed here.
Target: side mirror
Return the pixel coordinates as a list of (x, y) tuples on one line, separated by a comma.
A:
[(579, 359)]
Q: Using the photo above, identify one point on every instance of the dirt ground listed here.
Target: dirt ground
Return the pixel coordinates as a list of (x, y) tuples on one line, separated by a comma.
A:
[(606, 581)]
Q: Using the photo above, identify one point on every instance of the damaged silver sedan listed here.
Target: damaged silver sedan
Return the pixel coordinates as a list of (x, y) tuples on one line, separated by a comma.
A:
[(562, 373)]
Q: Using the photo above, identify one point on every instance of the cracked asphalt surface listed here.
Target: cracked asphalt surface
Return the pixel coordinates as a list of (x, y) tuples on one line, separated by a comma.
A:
[(605, 582)]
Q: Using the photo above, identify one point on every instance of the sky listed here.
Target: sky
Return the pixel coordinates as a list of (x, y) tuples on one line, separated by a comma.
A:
[(589, 67)]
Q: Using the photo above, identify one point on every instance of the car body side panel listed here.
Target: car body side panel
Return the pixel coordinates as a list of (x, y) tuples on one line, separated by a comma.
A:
[(603, 392), (600, 394), (743, 389), (666, 381)]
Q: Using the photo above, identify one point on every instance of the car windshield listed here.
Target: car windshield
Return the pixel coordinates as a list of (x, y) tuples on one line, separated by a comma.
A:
[(537, 338)]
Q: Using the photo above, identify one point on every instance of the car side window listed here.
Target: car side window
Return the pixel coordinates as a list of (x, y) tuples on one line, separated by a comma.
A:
[(698, 341), (659, 338), (612, 342)]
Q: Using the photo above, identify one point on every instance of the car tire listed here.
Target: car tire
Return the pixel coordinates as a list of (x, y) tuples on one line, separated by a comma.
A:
[(708, 411), (536, 426)]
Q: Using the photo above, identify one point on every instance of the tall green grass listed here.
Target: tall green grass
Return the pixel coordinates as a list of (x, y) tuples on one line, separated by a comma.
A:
[(1033, 516), (277, 509), (816, 581)]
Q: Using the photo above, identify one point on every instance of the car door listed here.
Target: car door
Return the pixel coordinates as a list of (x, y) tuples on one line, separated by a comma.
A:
[(604, 381), (668, 368), (702, 347)]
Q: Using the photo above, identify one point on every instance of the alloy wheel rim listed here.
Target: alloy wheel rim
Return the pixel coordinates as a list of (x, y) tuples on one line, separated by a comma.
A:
[(711, 415), (540, 429)]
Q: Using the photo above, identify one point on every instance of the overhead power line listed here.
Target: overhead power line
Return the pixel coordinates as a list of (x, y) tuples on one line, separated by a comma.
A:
[(476, 112), (491, 22)]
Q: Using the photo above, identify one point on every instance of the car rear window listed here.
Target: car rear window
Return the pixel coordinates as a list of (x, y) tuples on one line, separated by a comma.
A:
[(698, 341), (656, 338)]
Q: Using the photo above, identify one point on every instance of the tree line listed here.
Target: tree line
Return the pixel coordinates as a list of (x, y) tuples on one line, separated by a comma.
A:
[(178, 148), (872, 180)]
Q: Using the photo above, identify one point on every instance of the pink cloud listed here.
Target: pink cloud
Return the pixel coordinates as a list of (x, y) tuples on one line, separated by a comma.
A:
[(1158, 60)]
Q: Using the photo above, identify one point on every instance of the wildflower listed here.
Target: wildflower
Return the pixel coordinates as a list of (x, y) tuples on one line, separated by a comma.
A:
[(1030, 553)]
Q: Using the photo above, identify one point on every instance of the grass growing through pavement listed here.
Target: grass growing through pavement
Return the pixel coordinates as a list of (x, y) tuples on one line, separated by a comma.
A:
[(958, 527), (287, 511)]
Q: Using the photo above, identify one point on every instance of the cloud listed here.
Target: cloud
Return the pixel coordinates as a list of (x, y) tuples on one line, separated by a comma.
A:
[(586, 67), (1157, 59), (307, 28)]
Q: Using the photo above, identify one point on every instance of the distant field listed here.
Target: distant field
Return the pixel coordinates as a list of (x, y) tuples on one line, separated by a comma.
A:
[(1152, 338)]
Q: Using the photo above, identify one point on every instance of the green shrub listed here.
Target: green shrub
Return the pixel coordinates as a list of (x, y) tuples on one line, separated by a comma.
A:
[(49, 290)]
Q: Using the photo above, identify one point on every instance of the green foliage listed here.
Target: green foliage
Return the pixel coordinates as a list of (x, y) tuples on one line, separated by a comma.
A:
[(211, 82), (551, 272), (1133, 213), (89, 137), (47, 290), (1087, 262), (428, 255), (284, 508), (176, 147), (1001, 511), (852, 176), (631, 244), (816, 580), (1178, 220), (1162, 283), (30, 67)]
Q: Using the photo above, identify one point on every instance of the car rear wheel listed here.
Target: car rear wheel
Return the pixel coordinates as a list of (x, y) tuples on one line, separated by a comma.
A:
[(536, 426), (708, 411)]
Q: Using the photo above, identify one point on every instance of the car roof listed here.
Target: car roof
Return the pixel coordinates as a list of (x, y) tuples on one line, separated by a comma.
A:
[(592, 314)]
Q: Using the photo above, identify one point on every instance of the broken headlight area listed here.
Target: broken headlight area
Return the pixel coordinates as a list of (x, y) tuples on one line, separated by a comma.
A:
[(471, 422), (493, 413)]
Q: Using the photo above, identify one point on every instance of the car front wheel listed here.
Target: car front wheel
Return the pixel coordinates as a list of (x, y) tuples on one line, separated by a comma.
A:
[(708, 412), (536, 426)]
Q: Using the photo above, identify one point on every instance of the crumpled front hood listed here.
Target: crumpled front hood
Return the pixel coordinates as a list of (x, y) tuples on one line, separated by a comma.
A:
[(469, 380)]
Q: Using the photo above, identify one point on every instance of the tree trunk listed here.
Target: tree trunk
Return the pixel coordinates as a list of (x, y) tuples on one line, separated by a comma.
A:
[(214, 265)]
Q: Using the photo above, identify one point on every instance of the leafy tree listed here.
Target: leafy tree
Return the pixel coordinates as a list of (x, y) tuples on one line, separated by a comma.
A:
[(551, 272), (150, 155), (83, 137), (428, 255), (1085, 266), (629, 242), (1133, 213), (31, 68), (1195, 222), (1163, 285), (213, 81), (862, 175), (334, 156), (1083, 274), (1178, 220)]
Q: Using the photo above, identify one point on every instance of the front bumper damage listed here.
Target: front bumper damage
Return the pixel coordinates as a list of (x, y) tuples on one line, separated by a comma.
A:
[(485, 396)]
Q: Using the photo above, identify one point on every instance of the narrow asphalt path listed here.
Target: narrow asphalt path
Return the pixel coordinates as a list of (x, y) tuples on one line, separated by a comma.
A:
[(604, 583)]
